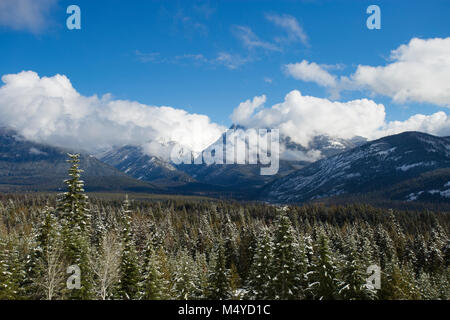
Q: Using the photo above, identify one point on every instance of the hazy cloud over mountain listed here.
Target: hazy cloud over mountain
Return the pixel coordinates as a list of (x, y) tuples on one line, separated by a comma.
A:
[(303, 117), (49, 109)]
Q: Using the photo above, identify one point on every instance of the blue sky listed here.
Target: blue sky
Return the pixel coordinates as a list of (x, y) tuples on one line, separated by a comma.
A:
[(164, 52)]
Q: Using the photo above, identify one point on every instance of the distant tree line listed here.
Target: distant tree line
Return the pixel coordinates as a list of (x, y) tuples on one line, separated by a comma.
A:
[(183, 249)]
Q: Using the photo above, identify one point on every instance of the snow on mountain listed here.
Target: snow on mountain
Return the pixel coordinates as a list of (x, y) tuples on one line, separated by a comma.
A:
[(138, 164), (372, 166)]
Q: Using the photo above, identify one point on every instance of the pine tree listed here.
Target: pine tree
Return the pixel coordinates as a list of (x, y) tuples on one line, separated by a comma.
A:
[(185, 286), (9, 281), (259, 283), (152, 283), (386, 250), (435, 254), (219, 278), (398, 283), (285, 277), (202, 274), (75, 221), (46, 272), (323, 277), (353, 285), (246, 252), (129, 266), (106, 264)]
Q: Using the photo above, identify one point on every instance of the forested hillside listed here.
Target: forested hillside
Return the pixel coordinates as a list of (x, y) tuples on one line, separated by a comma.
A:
[(216, 250)]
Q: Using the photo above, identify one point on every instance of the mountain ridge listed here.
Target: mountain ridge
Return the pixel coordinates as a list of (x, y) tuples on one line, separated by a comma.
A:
[(385, 161)]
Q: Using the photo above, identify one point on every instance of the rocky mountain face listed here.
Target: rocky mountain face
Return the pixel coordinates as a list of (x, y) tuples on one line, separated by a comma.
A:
[(30, 166), (410, 166), (134, 162), (376, 165), (236, 178)]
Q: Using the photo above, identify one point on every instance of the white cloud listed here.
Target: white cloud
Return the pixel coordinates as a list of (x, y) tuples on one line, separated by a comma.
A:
[(231, 61), (304, 117), (311, 72), (246, 109), (290, 24), (251, 40), (436, 124), (420, 72), (50, 110), (29, 15)]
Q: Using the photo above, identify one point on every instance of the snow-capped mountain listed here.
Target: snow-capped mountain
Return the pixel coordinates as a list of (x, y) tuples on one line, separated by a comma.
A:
[(136, 163), (376, 165), (30, 166), (293, 157), (239, 178)]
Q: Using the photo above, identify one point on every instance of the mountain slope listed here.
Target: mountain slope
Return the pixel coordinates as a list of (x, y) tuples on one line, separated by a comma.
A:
[(134, 162), (240, 180), (246, 176), (373, 166), (30, 166)]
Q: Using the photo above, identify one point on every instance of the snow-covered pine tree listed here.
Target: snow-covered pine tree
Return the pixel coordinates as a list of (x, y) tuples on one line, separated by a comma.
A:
[(106, 263), (152, 286), (435, 254), (45, 273), (386, 250), (323, 277), (219, 277), (129, 264), (185, 286), (398, 283), (421, 254), (75, 222), (353, 274), (285, 278), (259, 282), (202, 275), (247, 247), (9, 278)]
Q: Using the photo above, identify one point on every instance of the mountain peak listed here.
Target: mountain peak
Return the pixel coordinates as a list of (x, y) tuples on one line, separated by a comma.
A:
[(371, 166)]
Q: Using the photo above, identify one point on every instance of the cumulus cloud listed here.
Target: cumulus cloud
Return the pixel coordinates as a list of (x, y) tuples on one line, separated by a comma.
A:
[(312, 72), (290, 24), (28, 15), (303, 117), (246, 109), (418, 72), (50, 110), (436, 124)]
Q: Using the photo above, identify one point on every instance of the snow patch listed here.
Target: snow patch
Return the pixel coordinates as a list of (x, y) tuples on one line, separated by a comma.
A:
[(406, 167)]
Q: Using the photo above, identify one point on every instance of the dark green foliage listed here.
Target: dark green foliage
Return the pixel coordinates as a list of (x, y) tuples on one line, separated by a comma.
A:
[(75, 221), (286, 278), (175, 248), (219, 279), (129, 266)]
